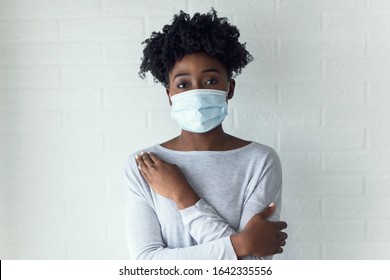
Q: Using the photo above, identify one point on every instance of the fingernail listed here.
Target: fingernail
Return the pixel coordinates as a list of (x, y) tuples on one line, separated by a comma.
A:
[(142, 153), (271, 204), (136, 156)]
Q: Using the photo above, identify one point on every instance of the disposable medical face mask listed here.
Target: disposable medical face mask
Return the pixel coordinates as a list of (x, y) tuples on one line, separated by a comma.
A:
[(199, 110)]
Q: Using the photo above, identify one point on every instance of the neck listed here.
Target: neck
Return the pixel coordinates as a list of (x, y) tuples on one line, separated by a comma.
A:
[(212, 140)]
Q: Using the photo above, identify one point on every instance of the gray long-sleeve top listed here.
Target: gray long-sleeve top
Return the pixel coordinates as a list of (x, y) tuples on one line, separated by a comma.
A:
[(233, 185)]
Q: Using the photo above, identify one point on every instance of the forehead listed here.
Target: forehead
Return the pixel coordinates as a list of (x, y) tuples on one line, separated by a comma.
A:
[(195, 63)]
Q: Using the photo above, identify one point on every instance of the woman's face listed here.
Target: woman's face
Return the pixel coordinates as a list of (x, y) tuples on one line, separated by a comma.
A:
[(199, 71)]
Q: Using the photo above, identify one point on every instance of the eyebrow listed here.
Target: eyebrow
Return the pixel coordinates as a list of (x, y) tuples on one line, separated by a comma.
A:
[(203, 71)]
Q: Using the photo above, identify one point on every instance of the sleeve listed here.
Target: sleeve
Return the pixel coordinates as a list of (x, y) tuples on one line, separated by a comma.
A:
[(268, 189), (143, 230), (204, 223)]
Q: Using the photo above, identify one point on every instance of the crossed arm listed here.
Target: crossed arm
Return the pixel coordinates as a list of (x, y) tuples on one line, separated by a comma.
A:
[(256, 235)]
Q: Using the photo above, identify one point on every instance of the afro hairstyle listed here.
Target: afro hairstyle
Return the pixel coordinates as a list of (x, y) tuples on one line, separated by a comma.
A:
[(206, 33)]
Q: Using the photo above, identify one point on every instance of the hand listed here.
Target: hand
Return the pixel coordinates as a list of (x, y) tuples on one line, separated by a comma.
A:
[(261, 237), (166, 179)]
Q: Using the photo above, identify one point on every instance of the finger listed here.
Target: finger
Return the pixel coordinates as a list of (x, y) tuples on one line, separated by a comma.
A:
[(282, 243), (138, 159), (268, 211), (278, 250), (154, 158), (139, 164), (283, 235), (144, 175), (280, 225), (147, 160), (142, 166)]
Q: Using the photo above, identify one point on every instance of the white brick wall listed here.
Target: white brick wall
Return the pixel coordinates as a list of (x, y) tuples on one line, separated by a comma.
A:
[(72, 109)]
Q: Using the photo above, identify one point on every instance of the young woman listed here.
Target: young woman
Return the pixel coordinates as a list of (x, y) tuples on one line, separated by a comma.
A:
[(204, 194)]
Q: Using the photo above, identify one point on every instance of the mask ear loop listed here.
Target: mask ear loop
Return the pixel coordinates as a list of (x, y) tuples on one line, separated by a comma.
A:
[(169, 97), (228, 92), (232, 85)]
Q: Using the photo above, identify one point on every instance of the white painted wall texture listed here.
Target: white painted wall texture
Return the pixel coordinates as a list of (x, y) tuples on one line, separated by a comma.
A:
[(72, 109)]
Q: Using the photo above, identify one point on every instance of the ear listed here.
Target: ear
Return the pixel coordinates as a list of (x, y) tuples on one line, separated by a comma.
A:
[(169, 98), (232, 85)]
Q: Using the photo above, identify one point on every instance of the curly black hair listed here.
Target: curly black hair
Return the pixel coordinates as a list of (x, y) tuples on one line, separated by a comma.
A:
[(202, 33)]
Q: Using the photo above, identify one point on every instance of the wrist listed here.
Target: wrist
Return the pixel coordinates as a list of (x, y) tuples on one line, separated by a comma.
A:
[(240, 245), (186, 198)]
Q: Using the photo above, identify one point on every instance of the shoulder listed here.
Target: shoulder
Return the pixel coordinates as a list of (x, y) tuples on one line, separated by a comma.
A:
[(263, 150), (135, 184), (131, 168), (265, 156), (130, 160)]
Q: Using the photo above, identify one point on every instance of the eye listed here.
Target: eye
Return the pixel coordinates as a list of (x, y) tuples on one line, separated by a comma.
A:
[(211, 82), (182, 85)]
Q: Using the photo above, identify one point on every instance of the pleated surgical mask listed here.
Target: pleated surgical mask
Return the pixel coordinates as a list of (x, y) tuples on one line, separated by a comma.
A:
[(199, 110)]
